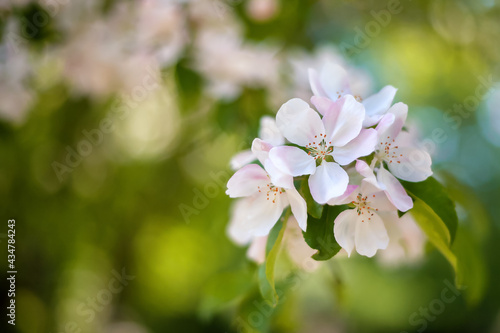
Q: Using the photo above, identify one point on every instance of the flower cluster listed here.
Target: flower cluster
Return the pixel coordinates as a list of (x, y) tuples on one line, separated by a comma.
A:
[(352, 150)]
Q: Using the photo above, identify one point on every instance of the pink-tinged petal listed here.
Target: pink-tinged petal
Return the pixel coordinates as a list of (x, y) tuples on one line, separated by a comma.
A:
[(364, 170), (329, 181), (379, 103), (264, 212), (241, 159), (372, 120), (400, 111), (269, 132), (236, 230), (380, 201), (260, 149), (364, 144), (257, 249), (411, 164), (370, 235), (344, 229), (383, 126), (343, 121), (348, 196), (246, 180), (292, 160), (394, 190), (298, 122), (322, 104), (278, 177), (316, 87), (298, 206), (334, 81)]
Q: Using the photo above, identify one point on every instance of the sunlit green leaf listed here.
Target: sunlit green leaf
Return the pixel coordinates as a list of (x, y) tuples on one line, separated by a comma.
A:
[(437, 233), (266, 270), (435, 196)]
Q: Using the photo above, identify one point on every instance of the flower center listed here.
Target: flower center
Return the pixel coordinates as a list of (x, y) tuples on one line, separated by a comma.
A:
[(341, 94), (363, 207), (272, 192), (387, 151), (319, 149)]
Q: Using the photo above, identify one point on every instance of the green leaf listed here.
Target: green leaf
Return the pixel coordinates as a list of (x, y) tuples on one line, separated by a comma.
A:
[(319, 234), (313, 208), (437, 233), (266, 270), (471, 265), (435, 196)]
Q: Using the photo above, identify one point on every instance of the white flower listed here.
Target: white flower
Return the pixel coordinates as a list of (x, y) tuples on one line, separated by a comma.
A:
[(388, 183), (362, 227), (269, 135), (333, 82), (264, 197), (337, 139), (406, 244), (403, 161)]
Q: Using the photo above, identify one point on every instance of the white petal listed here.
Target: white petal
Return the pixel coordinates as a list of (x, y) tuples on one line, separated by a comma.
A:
[(269, 132), (298, 206), (370, 235), (344, 229), (344, 120), (236, 229), (278, 177), (322, 104), (383, 126), (292, 160), (257, 249), (263, 214), (362, 145), (395, 191), (260, 149), (380, 201), (241, 159), (378, 104), (364, 170), (400, 111), (316, 87), (246, 180), (348, 196), (334, 81), (414, 164), (329, 181), (298, 122)]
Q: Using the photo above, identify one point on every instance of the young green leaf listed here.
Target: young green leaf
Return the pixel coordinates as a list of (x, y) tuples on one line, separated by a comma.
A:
[(435, 196), (266, 270), (319, 234), (437, 233)]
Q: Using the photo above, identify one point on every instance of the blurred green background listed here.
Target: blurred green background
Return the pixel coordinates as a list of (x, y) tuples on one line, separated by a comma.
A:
[(164, 93)]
